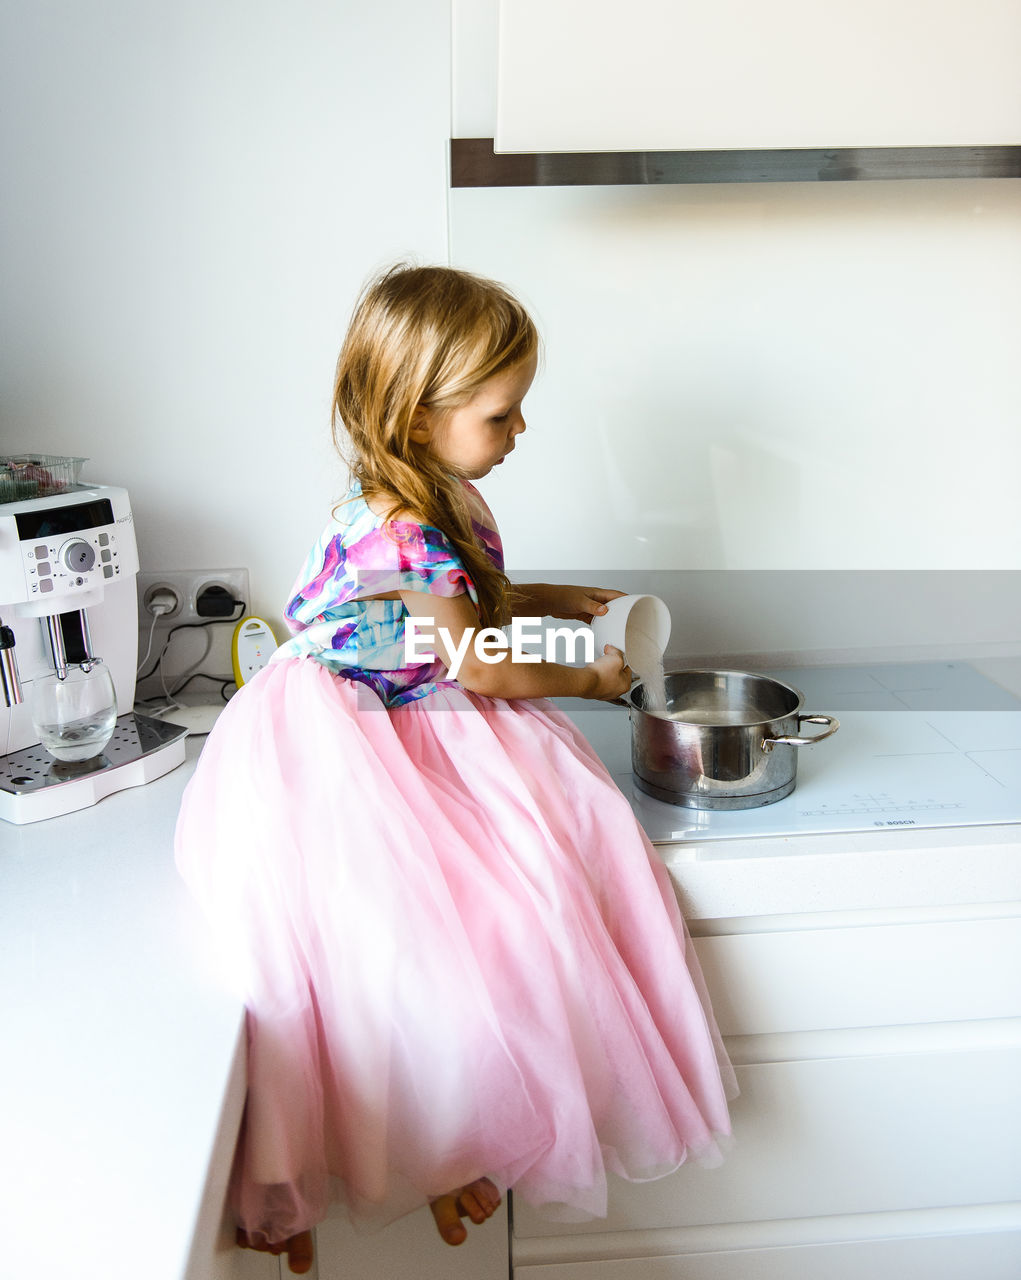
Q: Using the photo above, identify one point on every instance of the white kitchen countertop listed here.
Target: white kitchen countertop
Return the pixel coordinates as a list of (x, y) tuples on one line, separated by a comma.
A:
[(122, 1076), (121, 1044)]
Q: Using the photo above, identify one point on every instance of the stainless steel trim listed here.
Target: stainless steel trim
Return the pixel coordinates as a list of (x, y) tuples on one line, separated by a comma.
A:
[(10, 679), (87, 642), (475, 163), (57, 651)]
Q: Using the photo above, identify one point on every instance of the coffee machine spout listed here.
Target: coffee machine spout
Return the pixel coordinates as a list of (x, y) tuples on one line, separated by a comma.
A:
[(70, 641), (9, 677)]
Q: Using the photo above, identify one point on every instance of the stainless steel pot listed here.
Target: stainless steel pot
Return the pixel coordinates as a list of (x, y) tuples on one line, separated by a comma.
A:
[(728, 739)]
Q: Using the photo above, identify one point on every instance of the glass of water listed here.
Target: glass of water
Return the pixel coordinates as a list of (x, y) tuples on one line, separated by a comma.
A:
[(75, 716)]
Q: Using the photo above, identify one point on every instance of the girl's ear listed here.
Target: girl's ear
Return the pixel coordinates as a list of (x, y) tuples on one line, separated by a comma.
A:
[(421, 424)]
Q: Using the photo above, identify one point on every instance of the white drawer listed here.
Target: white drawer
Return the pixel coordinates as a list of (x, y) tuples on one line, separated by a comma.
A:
[(839, 1136), (992, 1256), (885, 975)]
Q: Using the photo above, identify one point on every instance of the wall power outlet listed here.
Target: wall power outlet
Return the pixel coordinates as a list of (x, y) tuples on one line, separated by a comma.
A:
[(177, 591), (163, 657)]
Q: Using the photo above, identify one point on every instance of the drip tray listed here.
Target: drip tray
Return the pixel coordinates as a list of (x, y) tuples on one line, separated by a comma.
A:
[(34, 786), (134, 737)]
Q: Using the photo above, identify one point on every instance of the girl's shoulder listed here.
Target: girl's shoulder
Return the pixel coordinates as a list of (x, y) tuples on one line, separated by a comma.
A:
[(358, 512), (355, 520), (371, 533), (364, 553)]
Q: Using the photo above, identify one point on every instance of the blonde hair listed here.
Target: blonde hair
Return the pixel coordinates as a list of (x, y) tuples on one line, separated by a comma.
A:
[(426, 336)]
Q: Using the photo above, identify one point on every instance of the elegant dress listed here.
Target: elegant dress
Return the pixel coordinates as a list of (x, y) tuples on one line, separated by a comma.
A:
[(460, 955)]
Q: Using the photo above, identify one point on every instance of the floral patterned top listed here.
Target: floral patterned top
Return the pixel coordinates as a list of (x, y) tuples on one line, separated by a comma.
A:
[(360, 554)]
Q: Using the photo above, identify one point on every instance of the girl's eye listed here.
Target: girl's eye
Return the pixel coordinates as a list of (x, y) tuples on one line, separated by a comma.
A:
[(502, 417)]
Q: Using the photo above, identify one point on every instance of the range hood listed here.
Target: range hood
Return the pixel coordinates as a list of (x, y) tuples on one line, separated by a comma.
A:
[(664, 91), (475, 162)]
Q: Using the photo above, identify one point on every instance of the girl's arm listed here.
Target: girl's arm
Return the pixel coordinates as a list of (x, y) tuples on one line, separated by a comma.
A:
[(545, 599), (453, 629)]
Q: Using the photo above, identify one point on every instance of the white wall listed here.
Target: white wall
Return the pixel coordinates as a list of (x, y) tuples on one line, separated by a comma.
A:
[(767, 376), (193, 194)]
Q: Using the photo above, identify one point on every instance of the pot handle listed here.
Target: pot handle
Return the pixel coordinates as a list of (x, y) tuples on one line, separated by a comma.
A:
[(769, 743)]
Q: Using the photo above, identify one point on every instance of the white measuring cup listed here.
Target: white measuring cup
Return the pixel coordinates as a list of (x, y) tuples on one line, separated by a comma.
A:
[(636, 625)]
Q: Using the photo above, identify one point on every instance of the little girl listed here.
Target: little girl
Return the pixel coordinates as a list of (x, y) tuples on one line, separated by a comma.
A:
[(463, 963)]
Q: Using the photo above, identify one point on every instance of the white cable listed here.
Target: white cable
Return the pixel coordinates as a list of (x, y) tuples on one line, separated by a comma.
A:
[(183, 675), (158, 607), (156, 615)]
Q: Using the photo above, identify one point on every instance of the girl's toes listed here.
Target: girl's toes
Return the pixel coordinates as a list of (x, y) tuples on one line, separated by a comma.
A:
[(489, 1194), (468, 1206), (471, 1205), (299, 1253), (448, 1220), (479, 1200)]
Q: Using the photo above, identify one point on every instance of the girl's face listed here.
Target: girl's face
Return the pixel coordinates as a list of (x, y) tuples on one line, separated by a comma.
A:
[(477, 436)]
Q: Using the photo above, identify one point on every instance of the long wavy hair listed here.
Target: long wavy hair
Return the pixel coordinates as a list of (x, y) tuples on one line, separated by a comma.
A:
[(425, 336)]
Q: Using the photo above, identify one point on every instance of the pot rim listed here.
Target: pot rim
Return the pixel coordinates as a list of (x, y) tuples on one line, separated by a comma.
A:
[(717, 671)]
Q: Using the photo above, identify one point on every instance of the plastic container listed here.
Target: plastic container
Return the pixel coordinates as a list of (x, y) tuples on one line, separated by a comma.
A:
[(36, 475), (639, 626)]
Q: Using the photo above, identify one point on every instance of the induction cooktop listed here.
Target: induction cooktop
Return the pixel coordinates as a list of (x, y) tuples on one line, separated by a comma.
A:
[(919, 745)]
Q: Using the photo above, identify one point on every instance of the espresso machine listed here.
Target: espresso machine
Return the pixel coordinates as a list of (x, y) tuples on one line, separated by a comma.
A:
[(69, 613)]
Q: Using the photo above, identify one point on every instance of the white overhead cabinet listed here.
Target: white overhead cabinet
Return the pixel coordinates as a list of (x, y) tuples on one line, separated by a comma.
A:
[(668, 75)]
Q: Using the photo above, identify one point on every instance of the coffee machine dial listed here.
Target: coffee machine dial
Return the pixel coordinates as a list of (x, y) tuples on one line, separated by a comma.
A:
[(78, 555)]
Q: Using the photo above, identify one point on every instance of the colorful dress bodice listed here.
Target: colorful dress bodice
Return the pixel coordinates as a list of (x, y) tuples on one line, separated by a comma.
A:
[(358, 555)]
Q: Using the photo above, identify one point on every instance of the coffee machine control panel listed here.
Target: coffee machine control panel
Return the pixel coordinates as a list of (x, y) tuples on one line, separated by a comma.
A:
[(64, 554)]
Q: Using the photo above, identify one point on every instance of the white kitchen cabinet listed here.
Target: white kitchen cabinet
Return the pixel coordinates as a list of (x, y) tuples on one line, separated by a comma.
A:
[(879, 975), (850, 1135), (680, 75), (989, 1255), (411, 1249), (878, 1130), (250, 1264)]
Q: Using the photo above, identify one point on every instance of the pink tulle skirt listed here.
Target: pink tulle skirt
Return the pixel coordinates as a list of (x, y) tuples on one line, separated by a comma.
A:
[(460, 955)]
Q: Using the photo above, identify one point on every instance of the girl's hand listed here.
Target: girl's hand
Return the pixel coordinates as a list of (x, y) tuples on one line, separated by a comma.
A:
[(452, 627), (577, 604), (613, 676)]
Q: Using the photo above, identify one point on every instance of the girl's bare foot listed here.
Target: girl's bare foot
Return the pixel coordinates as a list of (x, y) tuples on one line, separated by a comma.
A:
[(478, 1201), (298, 1249)]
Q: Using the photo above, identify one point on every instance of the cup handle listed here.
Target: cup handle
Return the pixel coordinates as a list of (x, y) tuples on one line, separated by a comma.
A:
[(769, 743)]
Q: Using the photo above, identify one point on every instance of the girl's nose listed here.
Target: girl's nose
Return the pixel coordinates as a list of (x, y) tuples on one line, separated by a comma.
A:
[(519, 425)]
